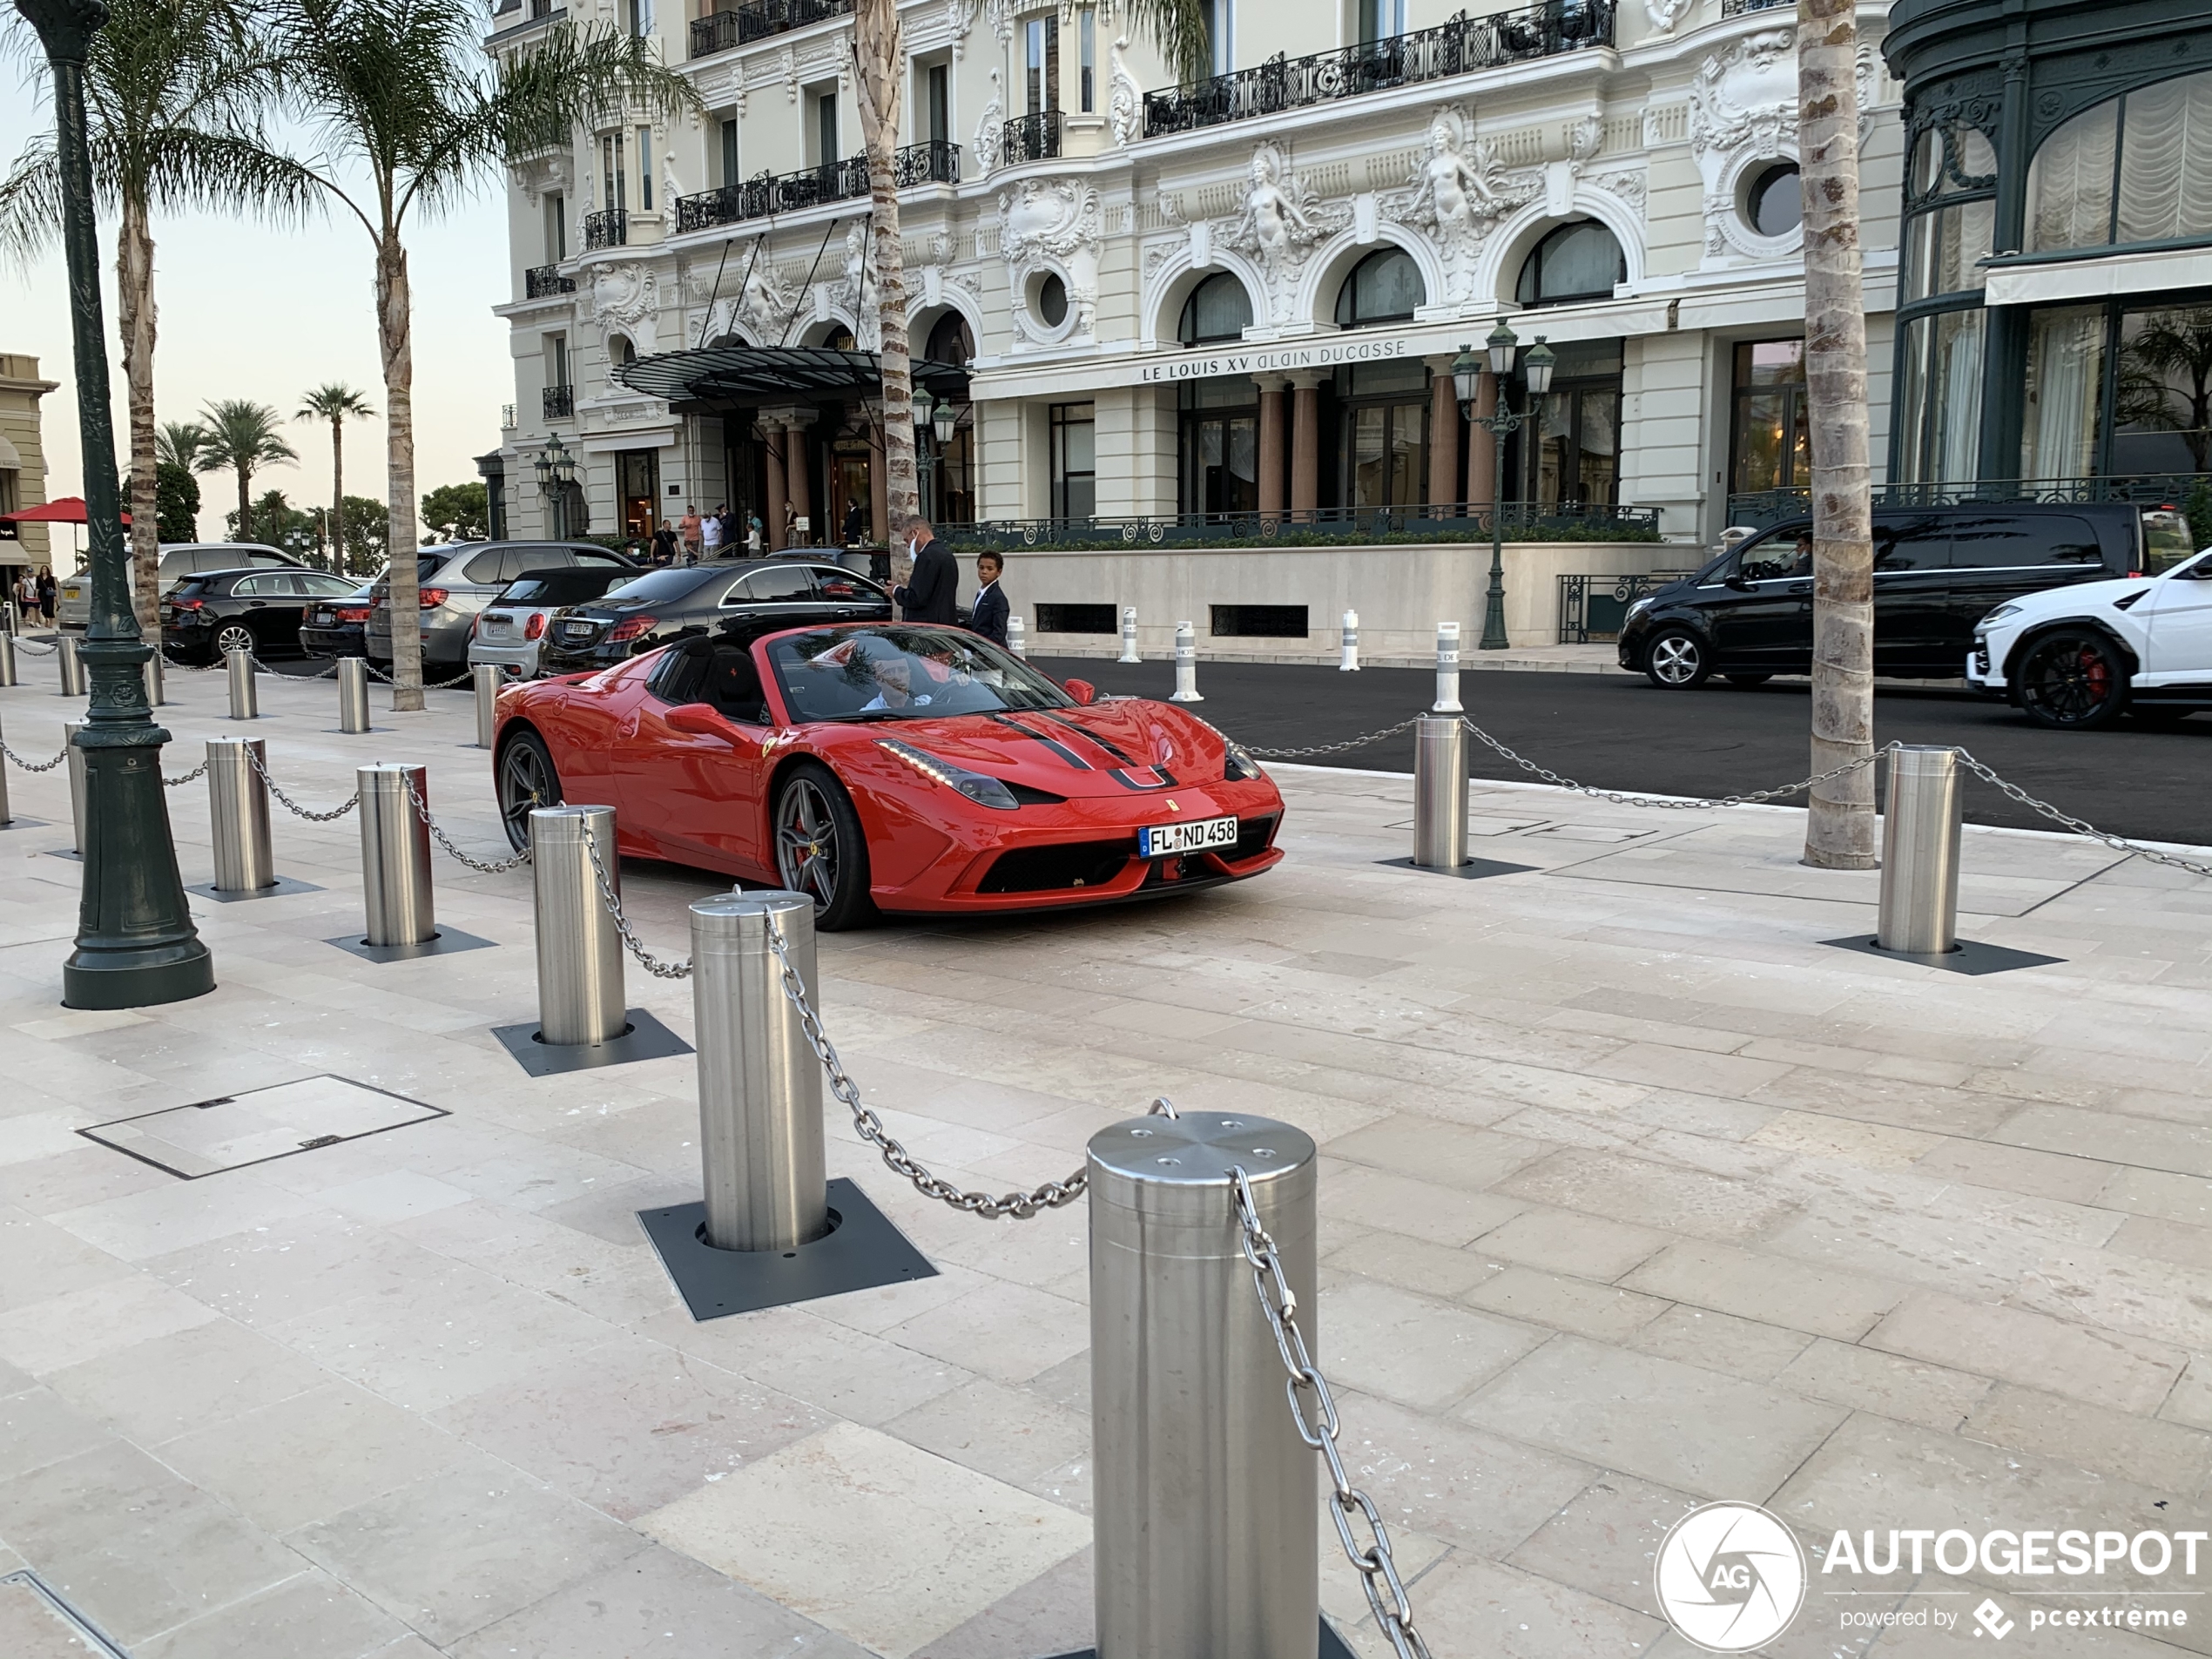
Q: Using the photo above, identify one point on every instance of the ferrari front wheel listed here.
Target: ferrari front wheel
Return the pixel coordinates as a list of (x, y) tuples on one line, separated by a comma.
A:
[(819, 848), (527, 780)]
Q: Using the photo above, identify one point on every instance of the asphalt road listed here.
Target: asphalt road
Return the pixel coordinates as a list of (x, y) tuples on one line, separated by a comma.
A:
[(1621, 732)]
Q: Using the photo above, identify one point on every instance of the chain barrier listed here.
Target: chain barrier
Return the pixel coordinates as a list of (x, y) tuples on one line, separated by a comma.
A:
[(428, 685), (1619, 798), (422, 810), (197, 772), (608, 897), (293, 806), (1385, 1591), (23, 643), (2078, 826), (1331, 748), (35, 765), (170, 659), (263, 667)]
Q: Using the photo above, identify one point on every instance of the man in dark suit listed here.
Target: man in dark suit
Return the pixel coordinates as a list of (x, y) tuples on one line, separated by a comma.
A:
[(935, 582), (987, 616)]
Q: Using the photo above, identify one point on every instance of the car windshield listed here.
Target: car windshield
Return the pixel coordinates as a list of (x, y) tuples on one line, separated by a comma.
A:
[(903, 673), (659, 587), (562, 587)]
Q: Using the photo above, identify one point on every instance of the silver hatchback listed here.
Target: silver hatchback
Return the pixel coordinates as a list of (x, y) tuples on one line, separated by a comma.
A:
[(459, 580), (510, 629)]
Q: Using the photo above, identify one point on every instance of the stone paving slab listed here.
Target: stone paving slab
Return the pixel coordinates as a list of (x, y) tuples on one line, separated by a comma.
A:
[(1632, 1196)]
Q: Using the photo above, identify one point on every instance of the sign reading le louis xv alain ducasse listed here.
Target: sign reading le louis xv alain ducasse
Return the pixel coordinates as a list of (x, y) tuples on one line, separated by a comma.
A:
[(1275, 358)]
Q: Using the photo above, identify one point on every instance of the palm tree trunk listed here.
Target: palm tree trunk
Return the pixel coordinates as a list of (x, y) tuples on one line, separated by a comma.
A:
[(245, 503), (135, 319), (394, 335), (338, 494), (878, 56), (1839, 828)]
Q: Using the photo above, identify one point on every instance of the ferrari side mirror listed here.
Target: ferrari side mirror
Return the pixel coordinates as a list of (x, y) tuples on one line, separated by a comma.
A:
[(698, 720), (1082, 690)]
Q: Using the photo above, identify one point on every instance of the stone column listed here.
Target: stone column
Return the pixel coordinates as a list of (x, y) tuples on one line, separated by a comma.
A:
[(1443, 439), (1270, 445), (1305, 445), (775, 438), (797, 476), (1482, 449)]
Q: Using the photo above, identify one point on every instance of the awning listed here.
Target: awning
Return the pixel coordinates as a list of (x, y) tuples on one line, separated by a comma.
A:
[(10, 457), (757, 374), (63, 510)]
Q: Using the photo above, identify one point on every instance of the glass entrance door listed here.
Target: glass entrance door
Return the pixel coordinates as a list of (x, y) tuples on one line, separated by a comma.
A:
[(851, 485), (637, 478)]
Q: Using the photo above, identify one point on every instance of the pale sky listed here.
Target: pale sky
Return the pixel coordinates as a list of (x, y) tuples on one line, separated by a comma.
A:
[(249, 311)]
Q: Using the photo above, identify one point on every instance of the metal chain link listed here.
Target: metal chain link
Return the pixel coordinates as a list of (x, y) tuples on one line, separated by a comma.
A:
[(1618, 799), (352, 801), (446, 842), (1377, 1571), (199, 771), (35, 765), (1331, 748), (170, 659), (23, 643), (2080, 826), (428, 686), (646, 960), (1021, 1205), (326, 674)]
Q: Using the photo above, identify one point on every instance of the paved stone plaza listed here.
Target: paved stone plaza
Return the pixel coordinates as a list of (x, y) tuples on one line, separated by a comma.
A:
[(1635, 1194)]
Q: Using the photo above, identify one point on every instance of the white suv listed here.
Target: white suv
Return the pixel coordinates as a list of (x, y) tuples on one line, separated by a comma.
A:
[(2074, 657)]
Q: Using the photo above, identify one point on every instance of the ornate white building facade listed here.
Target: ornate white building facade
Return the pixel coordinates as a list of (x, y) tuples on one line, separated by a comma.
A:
[(1239, 295)]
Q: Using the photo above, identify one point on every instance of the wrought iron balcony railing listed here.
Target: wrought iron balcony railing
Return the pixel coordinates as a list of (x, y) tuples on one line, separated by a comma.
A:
[(608, 227), (560, 402), (543, 281), (936, 162), (1524, 521), (720, 30), (1031, 138), (1760, 508), (1547, 29), (1740, 8)]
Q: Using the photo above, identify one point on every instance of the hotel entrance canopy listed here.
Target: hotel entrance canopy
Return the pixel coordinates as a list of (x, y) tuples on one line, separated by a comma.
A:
[(723, 376)]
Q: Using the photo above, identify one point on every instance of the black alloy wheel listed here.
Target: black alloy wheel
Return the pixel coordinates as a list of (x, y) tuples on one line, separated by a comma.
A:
[(2072, 679), (1676, 660), (527, 780), (820, 850)]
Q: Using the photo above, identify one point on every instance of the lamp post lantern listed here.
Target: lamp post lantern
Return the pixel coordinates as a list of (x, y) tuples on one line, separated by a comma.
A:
[(555, 469), (1467, 375), (937, 416), (135, 943)]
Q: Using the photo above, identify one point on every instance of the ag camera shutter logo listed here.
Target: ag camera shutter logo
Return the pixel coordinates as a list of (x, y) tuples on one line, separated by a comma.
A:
[(1731, 1577)]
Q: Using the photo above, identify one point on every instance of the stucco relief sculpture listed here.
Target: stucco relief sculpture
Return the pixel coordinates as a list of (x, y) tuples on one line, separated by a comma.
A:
[(627, 296), (1743, 111), (987, 133), (857, 290), (1058, 221), (759, 311), (1279, 224), (1460, 192), (1124, 99), (1665, 14)]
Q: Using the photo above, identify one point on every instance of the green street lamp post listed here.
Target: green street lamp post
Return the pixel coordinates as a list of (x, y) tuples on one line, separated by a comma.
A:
[(136, 944), (937, 414), (555, 469), (1467, 373)]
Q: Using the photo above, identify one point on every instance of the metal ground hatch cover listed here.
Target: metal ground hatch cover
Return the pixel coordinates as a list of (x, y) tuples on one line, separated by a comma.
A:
[(232, 1130)]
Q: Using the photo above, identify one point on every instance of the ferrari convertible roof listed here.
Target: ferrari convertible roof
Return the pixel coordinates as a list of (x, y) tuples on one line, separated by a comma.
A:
[(753, 375)]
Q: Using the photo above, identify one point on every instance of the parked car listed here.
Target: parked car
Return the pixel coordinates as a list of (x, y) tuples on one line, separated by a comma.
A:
[(510, 629), (2075, 657), (662, 606), (459, 580), (337, 626), (1937, 570), (215, 611), (73, 600)]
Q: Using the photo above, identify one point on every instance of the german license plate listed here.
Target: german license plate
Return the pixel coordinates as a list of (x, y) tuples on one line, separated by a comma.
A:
[(1193, 837)]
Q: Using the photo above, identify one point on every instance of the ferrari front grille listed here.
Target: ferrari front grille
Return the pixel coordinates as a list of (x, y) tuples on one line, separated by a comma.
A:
[(1049, 869)]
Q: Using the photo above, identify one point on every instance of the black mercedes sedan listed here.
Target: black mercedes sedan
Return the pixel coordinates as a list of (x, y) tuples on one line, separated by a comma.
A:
[(215, 611), (645, 614), (335, 626)]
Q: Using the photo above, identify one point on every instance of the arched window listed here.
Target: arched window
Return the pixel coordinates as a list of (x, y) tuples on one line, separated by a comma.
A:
[(2136, 168), (1385, 286), (620, 352), (1582, 261), (1218, 308), (949, 341)]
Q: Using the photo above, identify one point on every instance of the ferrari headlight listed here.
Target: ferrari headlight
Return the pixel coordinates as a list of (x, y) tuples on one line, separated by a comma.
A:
[(979, 787), (1238, 765)]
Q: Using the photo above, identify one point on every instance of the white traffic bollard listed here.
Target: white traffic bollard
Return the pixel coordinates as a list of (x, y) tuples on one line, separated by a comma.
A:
[(1448, 669), (1186, 666), (1017, 636), (1349, 662), (1129, 635)]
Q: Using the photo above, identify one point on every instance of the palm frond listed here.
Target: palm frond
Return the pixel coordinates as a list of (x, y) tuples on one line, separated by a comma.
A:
[(1178, 28), (333, 401), (239, 432), (30, 205), (179, 443), (231, 170)]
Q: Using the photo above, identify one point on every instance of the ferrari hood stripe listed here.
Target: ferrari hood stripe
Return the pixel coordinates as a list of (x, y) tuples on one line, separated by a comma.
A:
[(1053, 744), (1061, 719)]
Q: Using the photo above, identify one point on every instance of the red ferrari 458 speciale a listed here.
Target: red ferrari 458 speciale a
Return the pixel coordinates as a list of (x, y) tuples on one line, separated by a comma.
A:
[(890, 766)]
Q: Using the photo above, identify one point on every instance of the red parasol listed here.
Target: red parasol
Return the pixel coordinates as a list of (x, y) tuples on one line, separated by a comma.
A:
[(69, 509)]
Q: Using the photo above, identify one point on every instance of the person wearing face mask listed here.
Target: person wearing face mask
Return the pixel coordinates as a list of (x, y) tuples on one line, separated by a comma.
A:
[(929, 594)]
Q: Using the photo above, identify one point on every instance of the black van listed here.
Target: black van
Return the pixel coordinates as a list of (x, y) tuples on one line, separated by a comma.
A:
[(1937, 570)]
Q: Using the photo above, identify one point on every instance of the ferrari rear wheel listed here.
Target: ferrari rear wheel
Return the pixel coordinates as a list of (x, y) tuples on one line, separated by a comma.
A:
[(2072, 679), (527, 781), (819, 848)]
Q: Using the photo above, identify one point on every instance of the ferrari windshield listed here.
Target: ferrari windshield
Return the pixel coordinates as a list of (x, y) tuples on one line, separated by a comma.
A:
[(903, 673)]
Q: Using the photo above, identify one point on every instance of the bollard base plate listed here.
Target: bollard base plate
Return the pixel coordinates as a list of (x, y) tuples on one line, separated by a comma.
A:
[(442, 942), (24, 823), (1332, 1646), (1970, 957), (645, 1038), (862, 1252), (1473, 870), (276, 889)]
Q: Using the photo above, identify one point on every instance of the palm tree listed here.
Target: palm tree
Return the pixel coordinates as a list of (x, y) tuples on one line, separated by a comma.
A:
[(1839, 826), (334, 401), (173, 92), (878, 62), (241, 434), (179, 444), (409, 116)]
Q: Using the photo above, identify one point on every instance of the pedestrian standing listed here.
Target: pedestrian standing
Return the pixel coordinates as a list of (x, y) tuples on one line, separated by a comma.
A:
[(753, 535), (711, 534), (46, 587), (690, 529), (930, 591), (665, 545), (790, 525), (987, 615), (856, 524)]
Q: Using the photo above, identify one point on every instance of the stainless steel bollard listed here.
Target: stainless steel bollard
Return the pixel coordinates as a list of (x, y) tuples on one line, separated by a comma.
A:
[(1349, 662), (1186, 666), (760, 1087), (579, 953), (71, 667), (1440, 792), (353, 694), (7, 659), (1204, 1498), (245, 703), (78, 790), (487, 679), (238, 814), (1919, 911), (395, 856), (7, 815), (154, 697), (1129, 635), (1448, 669), (1017, 636)]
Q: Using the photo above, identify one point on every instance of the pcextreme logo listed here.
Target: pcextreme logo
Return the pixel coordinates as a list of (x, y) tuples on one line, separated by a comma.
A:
[(1731, 1577)]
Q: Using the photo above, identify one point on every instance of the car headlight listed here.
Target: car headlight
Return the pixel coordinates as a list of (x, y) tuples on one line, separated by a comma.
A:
[(979, 787), (1240, 766), (2001, 612), (1637, 607)]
